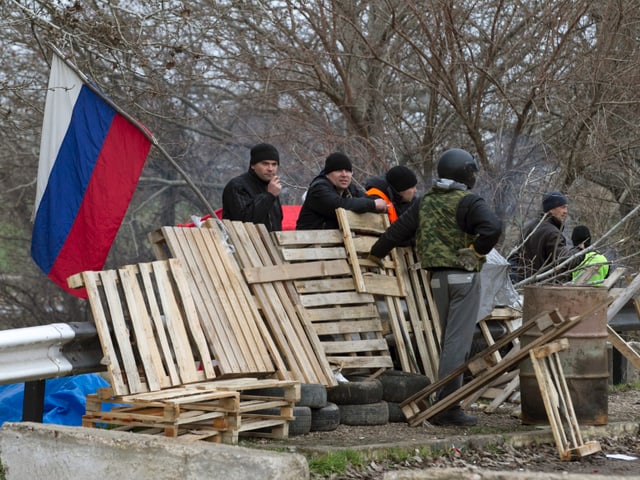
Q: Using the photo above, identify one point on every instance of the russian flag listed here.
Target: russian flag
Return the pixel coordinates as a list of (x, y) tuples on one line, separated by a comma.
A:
[(91, 158)]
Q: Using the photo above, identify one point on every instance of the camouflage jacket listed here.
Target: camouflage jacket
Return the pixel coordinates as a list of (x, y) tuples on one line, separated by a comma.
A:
[(469, 215)]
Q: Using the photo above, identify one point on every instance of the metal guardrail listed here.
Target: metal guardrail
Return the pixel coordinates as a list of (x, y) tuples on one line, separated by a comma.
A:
[(49, 351)]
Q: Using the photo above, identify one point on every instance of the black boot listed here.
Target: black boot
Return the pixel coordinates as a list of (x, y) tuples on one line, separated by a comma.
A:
[(454, 416)]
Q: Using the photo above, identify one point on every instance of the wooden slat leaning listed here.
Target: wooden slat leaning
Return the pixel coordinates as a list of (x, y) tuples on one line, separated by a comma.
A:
[(419, 408), (147, 326), (557, 401), (346, 321), (235, 330), (404, 290), (298, 344)]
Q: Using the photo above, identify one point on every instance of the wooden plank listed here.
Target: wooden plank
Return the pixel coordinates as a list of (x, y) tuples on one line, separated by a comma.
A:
[(343, 313), (228, 314), (109, 281), (355, 346), (505, 394), (551, 405), (308, 237), (143, 331), (192, 323), (623, 347), (245, 322), (267, 298), (302, 352), (303, 359), (212, 307), (613, 277), (324, 285), (346, 326), (158, 325), (421, 318), (344, 217), (90, 281), (413, 406), (282, 272), (313, 253), (368, 222), (377, 284), (361, 362), (175, 326), (335, 298)]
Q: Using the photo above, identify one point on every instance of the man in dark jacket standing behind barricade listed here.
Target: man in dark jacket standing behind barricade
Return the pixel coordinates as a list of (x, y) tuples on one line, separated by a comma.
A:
[(254, 195), (544, 243), (332, 189), (454, 230)]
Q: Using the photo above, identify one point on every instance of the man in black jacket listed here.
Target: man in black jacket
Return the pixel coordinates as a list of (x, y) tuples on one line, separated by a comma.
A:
[(454, 230), (333, 189), (544, 243), (254, 195)]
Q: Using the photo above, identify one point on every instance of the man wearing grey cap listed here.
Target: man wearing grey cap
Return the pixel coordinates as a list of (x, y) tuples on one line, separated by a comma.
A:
[(545, 245), (254, 195)]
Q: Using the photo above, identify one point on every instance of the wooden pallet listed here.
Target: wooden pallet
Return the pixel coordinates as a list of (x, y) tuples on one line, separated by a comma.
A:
[(419, 407), (235, 330), (346, 322), (269, 278), (557, 401), (148, 327), (403, 288), (218, 411), (507, 388)]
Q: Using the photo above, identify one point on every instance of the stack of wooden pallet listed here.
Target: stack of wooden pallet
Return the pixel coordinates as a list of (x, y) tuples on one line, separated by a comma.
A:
[(166, 371), (218, 411)]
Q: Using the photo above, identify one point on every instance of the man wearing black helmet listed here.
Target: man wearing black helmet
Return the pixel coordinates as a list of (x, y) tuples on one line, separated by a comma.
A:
[(454, 230)]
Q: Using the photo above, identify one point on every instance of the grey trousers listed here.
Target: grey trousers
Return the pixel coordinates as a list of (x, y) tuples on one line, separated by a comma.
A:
[(457, 297)]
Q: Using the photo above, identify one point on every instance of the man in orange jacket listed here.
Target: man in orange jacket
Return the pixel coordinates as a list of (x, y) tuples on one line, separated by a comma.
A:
[(397, 188)]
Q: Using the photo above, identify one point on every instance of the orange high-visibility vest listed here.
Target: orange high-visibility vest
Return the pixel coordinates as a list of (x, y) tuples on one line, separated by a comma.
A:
[(391, 209)]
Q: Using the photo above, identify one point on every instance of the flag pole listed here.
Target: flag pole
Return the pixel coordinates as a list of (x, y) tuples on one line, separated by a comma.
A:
[(148, 135)]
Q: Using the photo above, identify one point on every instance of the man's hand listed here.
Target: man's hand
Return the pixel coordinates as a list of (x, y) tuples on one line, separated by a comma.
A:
[(274, 187), (381, 205), (469, 259)]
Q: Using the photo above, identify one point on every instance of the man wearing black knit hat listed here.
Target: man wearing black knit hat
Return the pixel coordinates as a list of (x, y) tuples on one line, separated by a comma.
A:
[(254, 195), (332, 189), (544, 243), (397, 188)]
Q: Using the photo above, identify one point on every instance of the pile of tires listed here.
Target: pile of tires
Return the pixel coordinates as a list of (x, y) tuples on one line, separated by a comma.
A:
[(324, 416), (360, 402), (398, 386)]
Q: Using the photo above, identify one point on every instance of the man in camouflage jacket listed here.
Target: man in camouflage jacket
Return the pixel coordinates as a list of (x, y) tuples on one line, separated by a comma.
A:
[(455, 229)]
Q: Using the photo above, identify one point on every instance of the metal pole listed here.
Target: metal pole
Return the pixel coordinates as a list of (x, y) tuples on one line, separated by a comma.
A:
[(33, 403)]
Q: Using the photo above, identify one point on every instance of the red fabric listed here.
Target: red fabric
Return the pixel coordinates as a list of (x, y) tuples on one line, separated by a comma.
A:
[(289, 216)]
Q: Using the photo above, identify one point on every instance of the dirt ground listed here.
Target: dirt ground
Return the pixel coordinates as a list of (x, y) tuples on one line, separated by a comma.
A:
[(622, 407)]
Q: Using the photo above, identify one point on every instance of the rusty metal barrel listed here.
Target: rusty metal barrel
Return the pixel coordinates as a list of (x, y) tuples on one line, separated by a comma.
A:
[(584, 363)]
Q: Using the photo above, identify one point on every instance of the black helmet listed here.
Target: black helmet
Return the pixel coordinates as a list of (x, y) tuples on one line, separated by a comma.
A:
[(458, 165)]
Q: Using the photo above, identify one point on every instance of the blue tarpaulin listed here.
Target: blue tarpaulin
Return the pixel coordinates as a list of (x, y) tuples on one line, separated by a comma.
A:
[(64, 399)]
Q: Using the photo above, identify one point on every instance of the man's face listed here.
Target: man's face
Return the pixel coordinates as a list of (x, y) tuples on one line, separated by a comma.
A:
[(407, 195), (559, 213), (341, 179), (265, 169)]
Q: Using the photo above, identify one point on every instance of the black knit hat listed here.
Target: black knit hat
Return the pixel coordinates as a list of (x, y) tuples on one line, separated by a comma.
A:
[(581, 234), (264, 151), (552, 200), (401, 178), (337, 161)]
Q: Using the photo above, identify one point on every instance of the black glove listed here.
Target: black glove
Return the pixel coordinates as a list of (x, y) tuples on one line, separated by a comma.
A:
[(469, 259)]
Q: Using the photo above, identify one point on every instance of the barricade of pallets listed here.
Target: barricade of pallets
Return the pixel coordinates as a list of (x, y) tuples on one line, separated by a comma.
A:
[(217, 411)]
